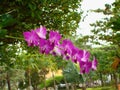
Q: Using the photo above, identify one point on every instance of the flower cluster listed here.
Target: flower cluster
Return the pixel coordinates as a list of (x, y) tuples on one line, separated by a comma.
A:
[(56, 46)]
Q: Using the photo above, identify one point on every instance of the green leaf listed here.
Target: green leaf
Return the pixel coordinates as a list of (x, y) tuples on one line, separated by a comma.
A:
[(3, 32), (72, 74), (6, 20)]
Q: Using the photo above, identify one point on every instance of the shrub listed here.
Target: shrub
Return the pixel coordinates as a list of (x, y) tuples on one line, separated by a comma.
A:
[(50, 81)]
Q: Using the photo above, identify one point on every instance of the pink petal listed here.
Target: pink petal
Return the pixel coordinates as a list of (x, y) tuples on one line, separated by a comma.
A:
[(41, 32)]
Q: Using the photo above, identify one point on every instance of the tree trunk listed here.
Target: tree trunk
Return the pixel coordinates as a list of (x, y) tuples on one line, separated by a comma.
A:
[(118, 78), (101, 79), (35, 87), (84, 86), (8, 81), (54, 80), (90, 81), (111, 77), (115, 78), (73, 86), (45, 83), (66, 84), (29, 80)]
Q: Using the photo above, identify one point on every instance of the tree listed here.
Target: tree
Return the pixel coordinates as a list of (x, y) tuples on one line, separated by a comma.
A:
[(8, 63), (107, 30), (105, 56), (19, 16)]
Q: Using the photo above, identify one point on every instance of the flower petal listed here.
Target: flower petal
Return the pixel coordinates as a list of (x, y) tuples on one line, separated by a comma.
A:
[(94, 64), (41, 32), (45, 46), (31, 38), (54, 37)]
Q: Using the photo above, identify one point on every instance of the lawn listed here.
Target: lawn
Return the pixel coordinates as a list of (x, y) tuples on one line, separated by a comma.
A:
[(101, 88)]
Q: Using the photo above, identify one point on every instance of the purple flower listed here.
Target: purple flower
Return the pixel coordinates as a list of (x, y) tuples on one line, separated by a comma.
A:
[(85, 67), (67, 50), (54, 37), (45, 46), (31, 37), (84, 55), (75, 54), (94, 64), (41, 32), (67, 47), (57, 51)]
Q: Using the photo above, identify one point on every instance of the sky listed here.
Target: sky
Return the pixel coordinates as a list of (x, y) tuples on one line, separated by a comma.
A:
[(84, 27)]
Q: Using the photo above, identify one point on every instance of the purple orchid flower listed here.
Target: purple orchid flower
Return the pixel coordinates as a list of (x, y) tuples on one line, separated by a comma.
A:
[(41, 32), (31, 37), (85, 67), (52, 46), (45, 46), (94, 64), (75, 54), (54, 37), (84, 55), (57, 50), (67, 47)]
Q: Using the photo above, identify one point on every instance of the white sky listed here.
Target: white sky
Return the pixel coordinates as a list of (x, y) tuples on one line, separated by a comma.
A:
[(92, 17)]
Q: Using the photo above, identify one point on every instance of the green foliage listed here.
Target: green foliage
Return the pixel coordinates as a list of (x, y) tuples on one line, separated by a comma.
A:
[(8, 56), (6, 20), (71, 73), (105, 56), (102, 88), (34, 77), (3, 32), (20, 16), (2, 77), (108, 29), (50, 81)]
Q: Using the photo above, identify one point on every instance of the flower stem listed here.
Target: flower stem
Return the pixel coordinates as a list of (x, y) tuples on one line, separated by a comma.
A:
[(13, 37)]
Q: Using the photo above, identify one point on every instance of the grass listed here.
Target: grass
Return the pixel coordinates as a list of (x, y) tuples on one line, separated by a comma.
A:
[(101, 88)]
